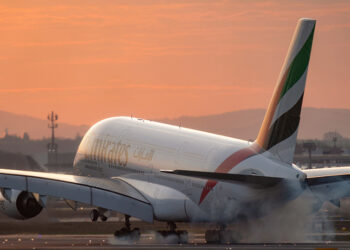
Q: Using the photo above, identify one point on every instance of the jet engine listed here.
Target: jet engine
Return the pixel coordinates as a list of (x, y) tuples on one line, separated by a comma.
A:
[(19, 204)]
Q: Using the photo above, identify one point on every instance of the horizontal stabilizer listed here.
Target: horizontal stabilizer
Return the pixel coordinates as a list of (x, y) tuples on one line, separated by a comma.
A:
[(329, 184), (253, 180), (320, 180)]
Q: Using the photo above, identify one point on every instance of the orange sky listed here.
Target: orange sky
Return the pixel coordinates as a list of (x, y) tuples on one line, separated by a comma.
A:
[(89, 60)]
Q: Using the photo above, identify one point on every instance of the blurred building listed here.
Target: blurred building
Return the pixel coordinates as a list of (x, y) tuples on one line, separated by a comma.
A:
[(19, 161), (62, 164)]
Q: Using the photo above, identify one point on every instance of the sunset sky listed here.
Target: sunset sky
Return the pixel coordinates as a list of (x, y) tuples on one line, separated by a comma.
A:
[(89, 60)]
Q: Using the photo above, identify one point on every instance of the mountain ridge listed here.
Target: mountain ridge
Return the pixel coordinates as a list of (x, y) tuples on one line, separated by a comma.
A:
[(242, 124), (245, 124), (36, 128)]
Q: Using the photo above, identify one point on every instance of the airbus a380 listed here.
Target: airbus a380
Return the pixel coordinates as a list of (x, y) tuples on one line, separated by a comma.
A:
[(154, 171)]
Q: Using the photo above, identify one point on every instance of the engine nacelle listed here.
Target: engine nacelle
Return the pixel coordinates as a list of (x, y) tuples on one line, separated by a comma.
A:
[(19, 204)]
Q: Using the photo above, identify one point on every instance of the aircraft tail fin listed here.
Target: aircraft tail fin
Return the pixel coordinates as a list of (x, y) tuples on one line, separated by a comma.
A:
[(279, 129)]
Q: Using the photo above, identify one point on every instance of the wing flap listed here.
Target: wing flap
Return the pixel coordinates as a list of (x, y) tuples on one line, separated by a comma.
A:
[(253, 180), (132, 207), (110, 194)]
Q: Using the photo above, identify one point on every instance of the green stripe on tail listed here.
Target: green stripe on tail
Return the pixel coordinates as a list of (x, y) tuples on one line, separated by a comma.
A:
[(299, 64)]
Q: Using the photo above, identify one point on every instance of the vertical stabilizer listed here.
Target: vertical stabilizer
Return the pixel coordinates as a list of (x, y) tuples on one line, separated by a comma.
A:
[(279, 129)]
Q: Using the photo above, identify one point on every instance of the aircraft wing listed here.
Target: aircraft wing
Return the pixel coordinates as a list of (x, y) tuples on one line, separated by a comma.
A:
[(110, 194), (252, 180), (329, 184)]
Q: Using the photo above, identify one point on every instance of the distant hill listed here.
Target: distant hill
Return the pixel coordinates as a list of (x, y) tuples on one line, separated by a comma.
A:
[(242, 124), (245, 124), (36, 128)]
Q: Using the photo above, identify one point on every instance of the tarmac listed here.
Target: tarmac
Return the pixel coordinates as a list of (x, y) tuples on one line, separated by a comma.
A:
[(146, 242), (58, 227)]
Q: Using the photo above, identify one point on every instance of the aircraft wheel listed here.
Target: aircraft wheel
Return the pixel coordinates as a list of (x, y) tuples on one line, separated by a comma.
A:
[(212, 236), (183, 236), (127, 235), (94, 215), (103, 218), (172, 237), (226, 236), (135, 234), (221, 236)]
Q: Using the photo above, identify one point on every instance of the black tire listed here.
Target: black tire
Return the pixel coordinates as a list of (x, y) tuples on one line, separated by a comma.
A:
[(229, 237), (225, 236), (212, 237), (183, 237), (94, 215), (135, 234), (126, 235), (124, 232), (171, 237), (103, 218)]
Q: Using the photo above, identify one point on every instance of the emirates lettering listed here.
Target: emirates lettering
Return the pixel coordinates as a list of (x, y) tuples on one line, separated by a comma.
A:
[(108, 151)]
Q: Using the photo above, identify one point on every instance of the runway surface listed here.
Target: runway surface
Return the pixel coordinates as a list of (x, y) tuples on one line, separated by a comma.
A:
[(146, 242), (58, 227)]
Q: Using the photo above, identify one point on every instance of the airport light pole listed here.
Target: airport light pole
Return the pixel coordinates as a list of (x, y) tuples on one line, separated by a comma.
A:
[(310, 146), (52, 146)]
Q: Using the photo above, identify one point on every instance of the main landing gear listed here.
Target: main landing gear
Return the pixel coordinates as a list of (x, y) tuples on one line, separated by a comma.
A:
[(126, 234), (99, 213), (172, 235), (222, 236)]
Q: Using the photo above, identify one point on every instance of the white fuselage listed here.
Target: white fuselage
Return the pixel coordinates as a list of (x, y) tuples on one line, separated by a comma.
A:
[(135, 150)]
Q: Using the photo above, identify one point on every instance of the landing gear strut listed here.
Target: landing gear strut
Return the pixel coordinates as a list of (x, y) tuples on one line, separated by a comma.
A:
[(173, 235), (126, 233), (221, 236), (94, 215)]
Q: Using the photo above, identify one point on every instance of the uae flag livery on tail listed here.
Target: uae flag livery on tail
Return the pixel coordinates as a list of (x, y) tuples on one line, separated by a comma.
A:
[(279, 130), (278, 133)]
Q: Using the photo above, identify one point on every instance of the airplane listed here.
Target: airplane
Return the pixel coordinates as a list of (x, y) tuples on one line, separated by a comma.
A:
[(154, 171)]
